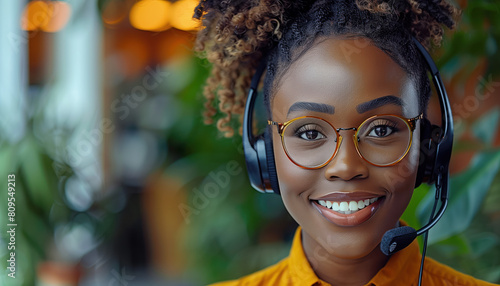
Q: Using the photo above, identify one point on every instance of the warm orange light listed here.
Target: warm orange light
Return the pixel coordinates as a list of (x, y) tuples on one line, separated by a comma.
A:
[(61, 12), (182, 15), (35, 14), (150, 15), (46, 16)]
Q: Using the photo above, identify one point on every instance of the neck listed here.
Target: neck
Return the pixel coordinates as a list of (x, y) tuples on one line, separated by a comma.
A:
[(342, 271)]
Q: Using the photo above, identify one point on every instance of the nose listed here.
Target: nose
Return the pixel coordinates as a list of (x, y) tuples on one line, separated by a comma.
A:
[(347, 163)]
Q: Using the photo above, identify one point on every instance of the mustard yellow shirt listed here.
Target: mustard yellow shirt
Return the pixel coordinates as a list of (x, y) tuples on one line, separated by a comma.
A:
[(401, 269)]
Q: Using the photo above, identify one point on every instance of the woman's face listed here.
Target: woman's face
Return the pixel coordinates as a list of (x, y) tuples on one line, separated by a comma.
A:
[(345, 82)]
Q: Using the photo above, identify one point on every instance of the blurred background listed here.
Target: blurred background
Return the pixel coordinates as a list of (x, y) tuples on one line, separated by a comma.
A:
[(119, 182)]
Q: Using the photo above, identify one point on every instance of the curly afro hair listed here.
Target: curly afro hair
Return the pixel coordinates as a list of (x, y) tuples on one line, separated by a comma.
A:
[(237, 34)]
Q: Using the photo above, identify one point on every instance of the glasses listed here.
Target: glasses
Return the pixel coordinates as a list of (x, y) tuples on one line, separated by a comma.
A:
[(311, 142)]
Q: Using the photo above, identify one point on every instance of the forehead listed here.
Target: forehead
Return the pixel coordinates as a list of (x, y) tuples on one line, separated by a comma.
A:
[(343, 73)]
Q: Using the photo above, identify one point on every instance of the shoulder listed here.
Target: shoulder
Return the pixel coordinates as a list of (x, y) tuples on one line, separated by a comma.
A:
[(439, 274), (272, 275)]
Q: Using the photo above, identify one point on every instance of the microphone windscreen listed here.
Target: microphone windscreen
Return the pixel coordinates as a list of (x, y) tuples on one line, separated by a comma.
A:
[(397, 239)]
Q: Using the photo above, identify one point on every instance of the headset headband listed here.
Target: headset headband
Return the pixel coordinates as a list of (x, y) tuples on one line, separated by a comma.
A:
[(445, 144)]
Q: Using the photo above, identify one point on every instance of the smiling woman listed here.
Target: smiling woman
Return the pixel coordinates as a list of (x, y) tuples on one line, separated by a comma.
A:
[(346, 90), (347, 179)]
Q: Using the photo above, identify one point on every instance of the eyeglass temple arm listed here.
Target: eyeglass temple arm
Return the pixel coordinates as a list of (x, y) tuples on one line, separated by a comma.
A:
[(411, 121), (279, 125)]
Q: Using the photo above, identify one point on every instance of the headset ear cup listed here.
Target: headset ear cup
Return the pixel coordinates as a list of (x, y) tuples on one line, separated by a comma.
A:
[(429, 137), (425, 136), (271, 165)]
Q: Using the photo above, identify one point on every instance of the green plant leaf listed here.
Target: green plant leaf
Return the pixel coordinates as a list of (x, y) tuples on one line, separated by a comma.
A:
[(485, 127), (453, 246), (36, 170), (467, 191), (482, 243)]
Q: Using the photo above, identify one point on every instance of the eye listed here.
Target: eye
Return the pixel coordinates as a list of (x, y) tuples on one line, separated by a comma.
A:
[(381, 131), (382, 128), (309, 132)]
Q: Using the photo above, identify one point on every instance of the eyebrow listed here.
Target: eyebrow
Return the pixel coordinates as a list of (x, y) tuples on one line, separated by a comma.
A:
[(377, 102), (311, 106)]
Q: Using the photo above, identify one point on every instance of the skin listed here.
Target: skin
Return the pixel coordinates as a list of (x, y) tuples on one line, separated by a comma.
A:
[(326, 74)]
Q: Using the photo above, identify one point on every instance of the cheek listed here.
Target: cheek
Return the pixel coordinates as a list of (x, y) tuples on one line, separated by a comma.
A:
[(293, 181), (399, 180)]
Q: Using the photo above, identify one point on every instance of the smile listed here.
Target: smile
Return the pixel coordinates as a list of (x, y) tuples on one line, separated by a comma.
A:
[(347, 207), (348, 211)]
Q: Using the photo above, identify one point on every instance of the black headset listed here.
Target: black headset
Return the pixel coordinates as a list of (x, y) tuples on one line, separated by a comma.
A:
[(435, 155)]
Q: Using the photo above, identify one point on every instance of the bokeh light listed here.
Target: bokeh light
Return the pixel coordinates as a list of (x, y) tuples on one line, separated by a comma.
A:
[(182, 15), (150, 15), (35, 14), (45, 16), (79, 194), (61, 12)]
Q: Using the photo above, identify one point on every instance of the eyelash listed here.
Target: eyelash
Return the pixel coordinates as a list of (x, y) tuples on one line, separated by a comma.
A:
[(304, 128), (388, 123)]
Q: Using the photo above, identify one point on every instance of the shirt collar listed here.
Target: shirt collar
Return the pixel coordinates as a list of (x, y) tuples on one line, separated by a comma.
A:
[(401, 269)]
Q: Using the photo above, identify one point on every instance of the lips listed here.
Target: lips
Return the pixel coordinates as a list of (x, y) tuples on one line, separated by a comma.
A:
[(348, 209)]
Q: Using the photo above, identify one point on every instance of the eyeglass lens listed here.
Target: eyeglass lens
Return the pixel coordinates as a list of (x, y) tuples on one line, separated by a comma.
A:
[(381, 140)]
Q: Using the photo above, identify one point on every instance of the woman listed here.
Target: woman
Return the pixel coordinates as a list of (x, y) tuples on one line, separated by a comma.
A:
[(346, 92)]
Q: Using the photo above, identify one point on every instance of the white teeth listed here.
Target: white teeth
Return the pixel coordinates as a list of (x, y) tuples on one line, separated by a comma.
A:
[(347, 207), (344, 206), (353, 206), (361, 205), (336, 206)]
